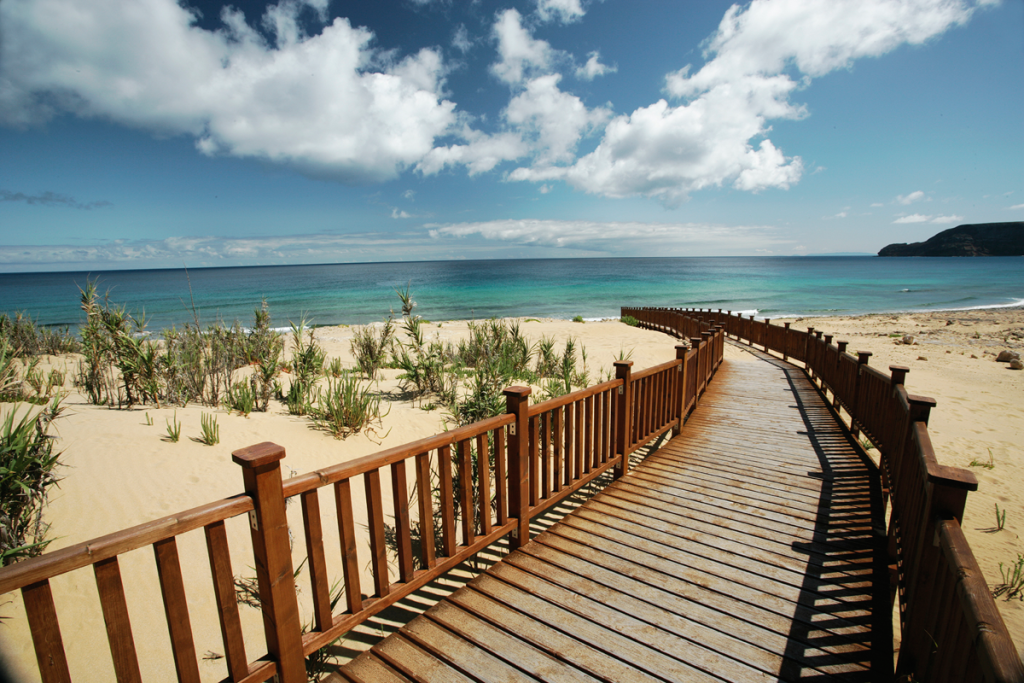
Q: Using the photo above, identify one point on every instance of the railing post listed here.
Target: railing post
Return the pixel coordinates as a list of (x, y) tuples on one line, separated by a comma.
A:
[(862, 359), (623, 413), (767, 333), (261, 473), (785, 341), (681, 357), (750, 337), (517, 403)]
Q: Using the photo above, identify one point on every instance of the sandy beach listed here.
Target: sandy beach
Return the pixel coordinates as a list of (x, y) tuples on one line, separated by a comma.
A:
[(121, 471)]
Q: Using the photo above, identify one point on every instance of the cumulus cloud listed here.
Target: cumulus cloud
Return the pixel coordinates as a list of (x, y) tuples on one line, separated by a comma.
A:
[(910, 198), (947, 219), (756, 59), (613, 237), (51, 199), (913, 218), (519, 53), (328, 104), (555, 120), (481, 153), (594, 68), (565, 11), (1016, 207)]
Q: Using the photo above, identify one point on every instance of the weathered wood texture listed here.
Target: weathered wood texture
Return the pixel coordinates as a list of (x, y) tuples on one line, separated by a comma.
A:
[(720, 557)]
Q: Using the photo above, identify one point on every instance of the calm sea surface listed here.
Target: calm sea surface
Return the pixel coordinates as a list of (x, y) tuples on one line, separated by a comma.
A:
[(559, 288)]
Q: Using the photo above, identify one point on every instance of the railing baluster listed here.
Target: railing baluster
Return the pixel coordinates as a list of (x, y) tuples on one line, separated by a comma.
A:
[(317, 560), (375, 520), (444, 478), (534, 439), (176, 610), (558, 439), (403, 536), (500, 475), (483, 459), (227, 605), (42, 622), (544, 423), (115, 615), (347, 539), (466, 492), (424, 496)]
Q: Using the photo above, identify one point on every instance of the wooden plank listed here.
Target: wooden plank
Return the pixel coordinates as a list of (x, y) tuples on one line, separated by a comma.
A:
[(473, 661), (639, 643), (115, 616), (576, 650), (534, 458), (415, 662), (748, 642), (42, 623), (317, 560), (227, 604), (172, 589), (347, 541), (530, 659), (368, 668)]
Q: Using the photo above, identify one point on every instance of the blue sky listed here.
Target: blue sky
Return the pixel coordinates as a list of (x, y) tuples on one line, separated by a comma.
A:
[(150, 133)]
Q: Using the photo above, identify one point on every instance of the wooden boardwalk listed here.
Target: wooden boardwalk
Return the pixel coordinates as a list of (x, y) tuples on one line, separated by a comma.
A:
[(749, 548)]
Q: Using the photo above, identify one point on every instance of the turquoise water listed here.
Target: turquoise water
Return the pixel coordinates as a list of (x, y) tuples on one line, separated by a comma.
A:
[(558, 288)]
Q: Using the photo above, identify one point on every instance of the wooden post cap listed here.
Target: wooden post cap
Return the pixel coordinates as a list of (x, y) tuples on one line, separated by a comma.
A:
[(842, 345), (258, 455), (899, 373), (862, 357), (517, 391)]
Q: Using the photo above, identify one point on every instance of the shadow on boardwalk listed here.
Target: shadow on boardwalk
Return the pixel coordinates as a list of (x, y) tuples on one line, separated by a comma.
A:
[(744, 549)]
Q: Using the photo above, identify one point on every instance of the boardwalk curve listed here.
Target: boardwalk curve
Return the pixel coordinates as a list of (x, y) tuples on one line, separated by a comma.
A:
[(745, 549)]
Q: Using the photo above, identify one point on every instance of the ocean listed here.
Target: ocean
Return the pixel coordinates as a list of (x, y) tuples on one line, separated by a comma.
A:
[(770, 287)]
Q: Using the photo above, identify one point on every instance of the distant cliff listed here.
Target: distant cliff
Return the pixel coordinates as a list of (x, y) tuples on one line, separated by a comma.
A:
[(982, 239)]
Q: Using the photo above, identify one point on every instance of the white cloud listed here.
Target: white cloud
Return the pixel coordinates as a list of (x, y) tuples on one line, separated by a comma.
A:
[(409, 194), (396, 213), (718, 135), (544, 189), (947, 219), (461, 40), (566, 11), (913, 218), (481, 153), (910, 198), (326, 104), (876, 205), (615, 237), (520, 54), (594, 68), (555, 120), (1016, 207)]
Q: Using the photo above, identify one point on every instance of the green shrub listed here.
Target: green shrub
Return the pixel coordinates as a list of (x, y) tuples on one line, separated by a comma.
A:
[(173, 428), (370, 346), (241, 398), (344, 407), (27, 471), (630, 320), (210, 430), (577, 318)]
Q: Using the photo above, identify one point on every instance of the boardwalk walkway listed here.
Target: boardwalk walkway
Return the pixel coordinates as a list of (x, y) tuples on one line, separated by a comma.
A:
[(742, 550)]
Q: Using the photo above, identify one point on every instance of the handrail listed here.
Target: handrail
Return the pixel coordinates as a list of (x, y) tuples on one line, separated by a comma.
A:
[(540, 453), (951, 627)]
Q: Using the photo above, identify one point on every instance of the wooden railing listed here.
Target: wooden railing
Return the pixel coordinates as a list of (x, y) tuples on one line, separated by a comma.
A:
[(951, 629), (492, 477)]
